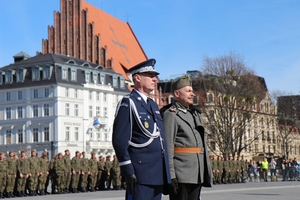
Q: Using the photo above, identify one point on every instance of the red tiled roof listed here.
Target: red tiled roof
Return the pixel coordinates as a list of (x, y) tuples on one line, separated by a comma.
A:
[(122, 45)]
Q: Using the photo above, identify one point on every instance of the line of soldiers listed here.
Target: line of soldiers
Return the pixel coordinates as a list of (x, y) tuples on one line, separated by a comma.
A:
[(228, 170), (31, 176)]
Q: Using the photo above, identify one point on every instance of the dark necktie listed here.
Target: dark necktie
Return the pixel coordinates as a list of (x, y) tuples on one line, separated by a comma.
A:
[(150, 102)]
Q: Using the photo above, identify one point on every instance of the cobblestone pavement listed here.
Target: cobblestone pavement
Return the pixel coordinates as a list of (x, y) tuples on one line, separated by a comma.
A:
[(289, 190)]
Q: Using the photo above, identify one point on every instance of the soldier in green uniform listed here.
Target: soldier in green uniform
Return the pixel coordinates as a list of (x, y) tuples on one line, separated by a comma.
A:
[(226, 170), (68, 172), (232, 169), (52, 174), (22, 174), (219, 169), (59, 168), (243, 169), (3, 173), (43, 161), (34, 173), (107, 168), (85, 171), (237, 170), (100, 181), (76, 169), (213, 168), (93, 172), (11, 174), (116, 174)]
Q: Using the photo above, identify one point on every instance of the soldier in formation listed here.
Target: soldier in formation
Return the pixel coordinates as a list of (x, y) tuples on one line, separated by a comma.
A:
[(228, 170), (23, 176)]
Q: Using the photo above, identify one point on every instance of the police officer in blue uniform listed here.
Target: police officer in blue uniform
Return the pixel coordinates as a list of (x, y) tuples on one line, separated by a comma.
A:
[(139, 138)]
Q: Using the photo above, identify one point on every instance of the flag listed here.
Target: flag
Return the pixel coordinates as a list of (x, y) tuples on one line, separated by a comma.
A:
[(96, 123)]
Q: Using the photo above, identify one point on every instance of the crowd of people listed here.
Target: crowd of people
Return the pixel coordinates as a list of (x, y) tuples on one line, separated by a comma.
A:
[(31, 176), (238, 170)]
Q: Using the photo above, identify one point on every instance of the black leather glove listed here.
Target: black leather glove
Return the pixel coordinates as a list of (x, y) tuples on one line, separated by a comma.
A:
[(174, 185), (130, 183)]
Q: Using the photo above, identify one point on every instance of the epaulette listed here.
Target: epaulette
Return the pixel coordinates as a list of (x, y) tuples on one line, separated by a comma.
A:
[(164, 108), (192, 107), (173, 109)]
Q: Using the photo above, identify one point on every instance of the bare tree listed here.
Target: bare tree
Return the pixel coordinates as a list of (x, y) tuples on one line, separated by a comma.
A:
[(233, 93), (288, 121)]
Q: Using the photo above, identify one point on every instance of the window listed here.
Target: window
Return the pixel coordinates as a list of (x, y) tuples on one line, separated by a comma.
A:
[(7, 96), (76, 93), (213, 145), (67, 92), (256, 148), (73, 75), (46, 109), (76, 110), (105, 111), (35, 134), (115, 81), (20, 112), (98, 96), (8, 113), (8, 136), (91, 111), (47, 92), (47, 72), (64, 73), (20, 75), (20, 95), (87, 77), (122, 83), (76, 133), (67, 134), (35, 111), (98, 111), (46, 134), (35, 94), (102, 79), (67, 109), (20, 136), (104, 97), (210, 98), (91, 95), (212, 113), (35, 74), (8, 77)]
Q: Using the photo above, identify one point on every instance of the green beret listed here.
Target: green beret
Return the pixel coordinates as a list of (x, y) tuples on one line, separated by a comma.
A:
[(181, 82)]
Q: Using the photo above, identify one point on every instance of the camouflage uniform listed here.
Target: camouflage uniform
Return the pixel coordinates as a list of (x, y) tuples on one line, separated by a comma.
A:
[(52, 174), (11, 174), (84, 173), (59, 168), (116, 174), (67, 179), (107, 168), (34, 171), (3, 174), (93, 172), (44, 166), (101, 181), (76, 168), (23, 172)]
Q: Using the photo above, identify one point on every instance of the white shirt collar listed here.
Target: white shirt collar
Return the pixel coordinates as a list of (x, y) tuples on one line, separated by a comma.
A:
[(142, 95)]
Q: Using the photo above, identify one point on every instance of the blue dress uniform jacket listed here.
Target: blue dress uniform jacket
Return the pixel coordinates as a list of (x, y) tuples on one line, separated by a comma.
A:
[(148, 163)]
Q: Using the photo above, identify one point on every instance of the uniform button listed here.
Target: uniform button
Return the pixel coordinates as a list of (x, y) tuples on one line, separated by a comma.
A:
[(140, 161)]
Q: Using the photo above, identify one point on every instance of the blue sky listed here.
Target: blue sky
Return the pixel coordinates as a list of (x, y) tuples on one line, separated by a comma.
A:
[(177, 33)]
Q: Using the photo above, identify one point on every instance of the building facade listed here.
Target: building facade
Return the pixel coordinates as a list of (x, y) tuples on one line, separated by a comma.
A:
[(50, 103)]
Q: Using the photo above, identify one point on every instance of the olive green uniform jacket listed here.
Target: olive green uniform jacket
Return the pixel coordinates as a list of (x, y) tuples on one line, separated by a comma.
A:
[(183, 128)]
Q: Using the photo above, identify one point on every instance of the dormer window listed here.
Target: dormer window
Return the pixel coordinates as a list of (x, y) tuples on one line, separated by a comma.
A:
[(73, 74), (47, 71), (102, 79), (95, 76), (8, 77), (115, 81), (64, 73), (20, 75), (35, 73), (122, 82)]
